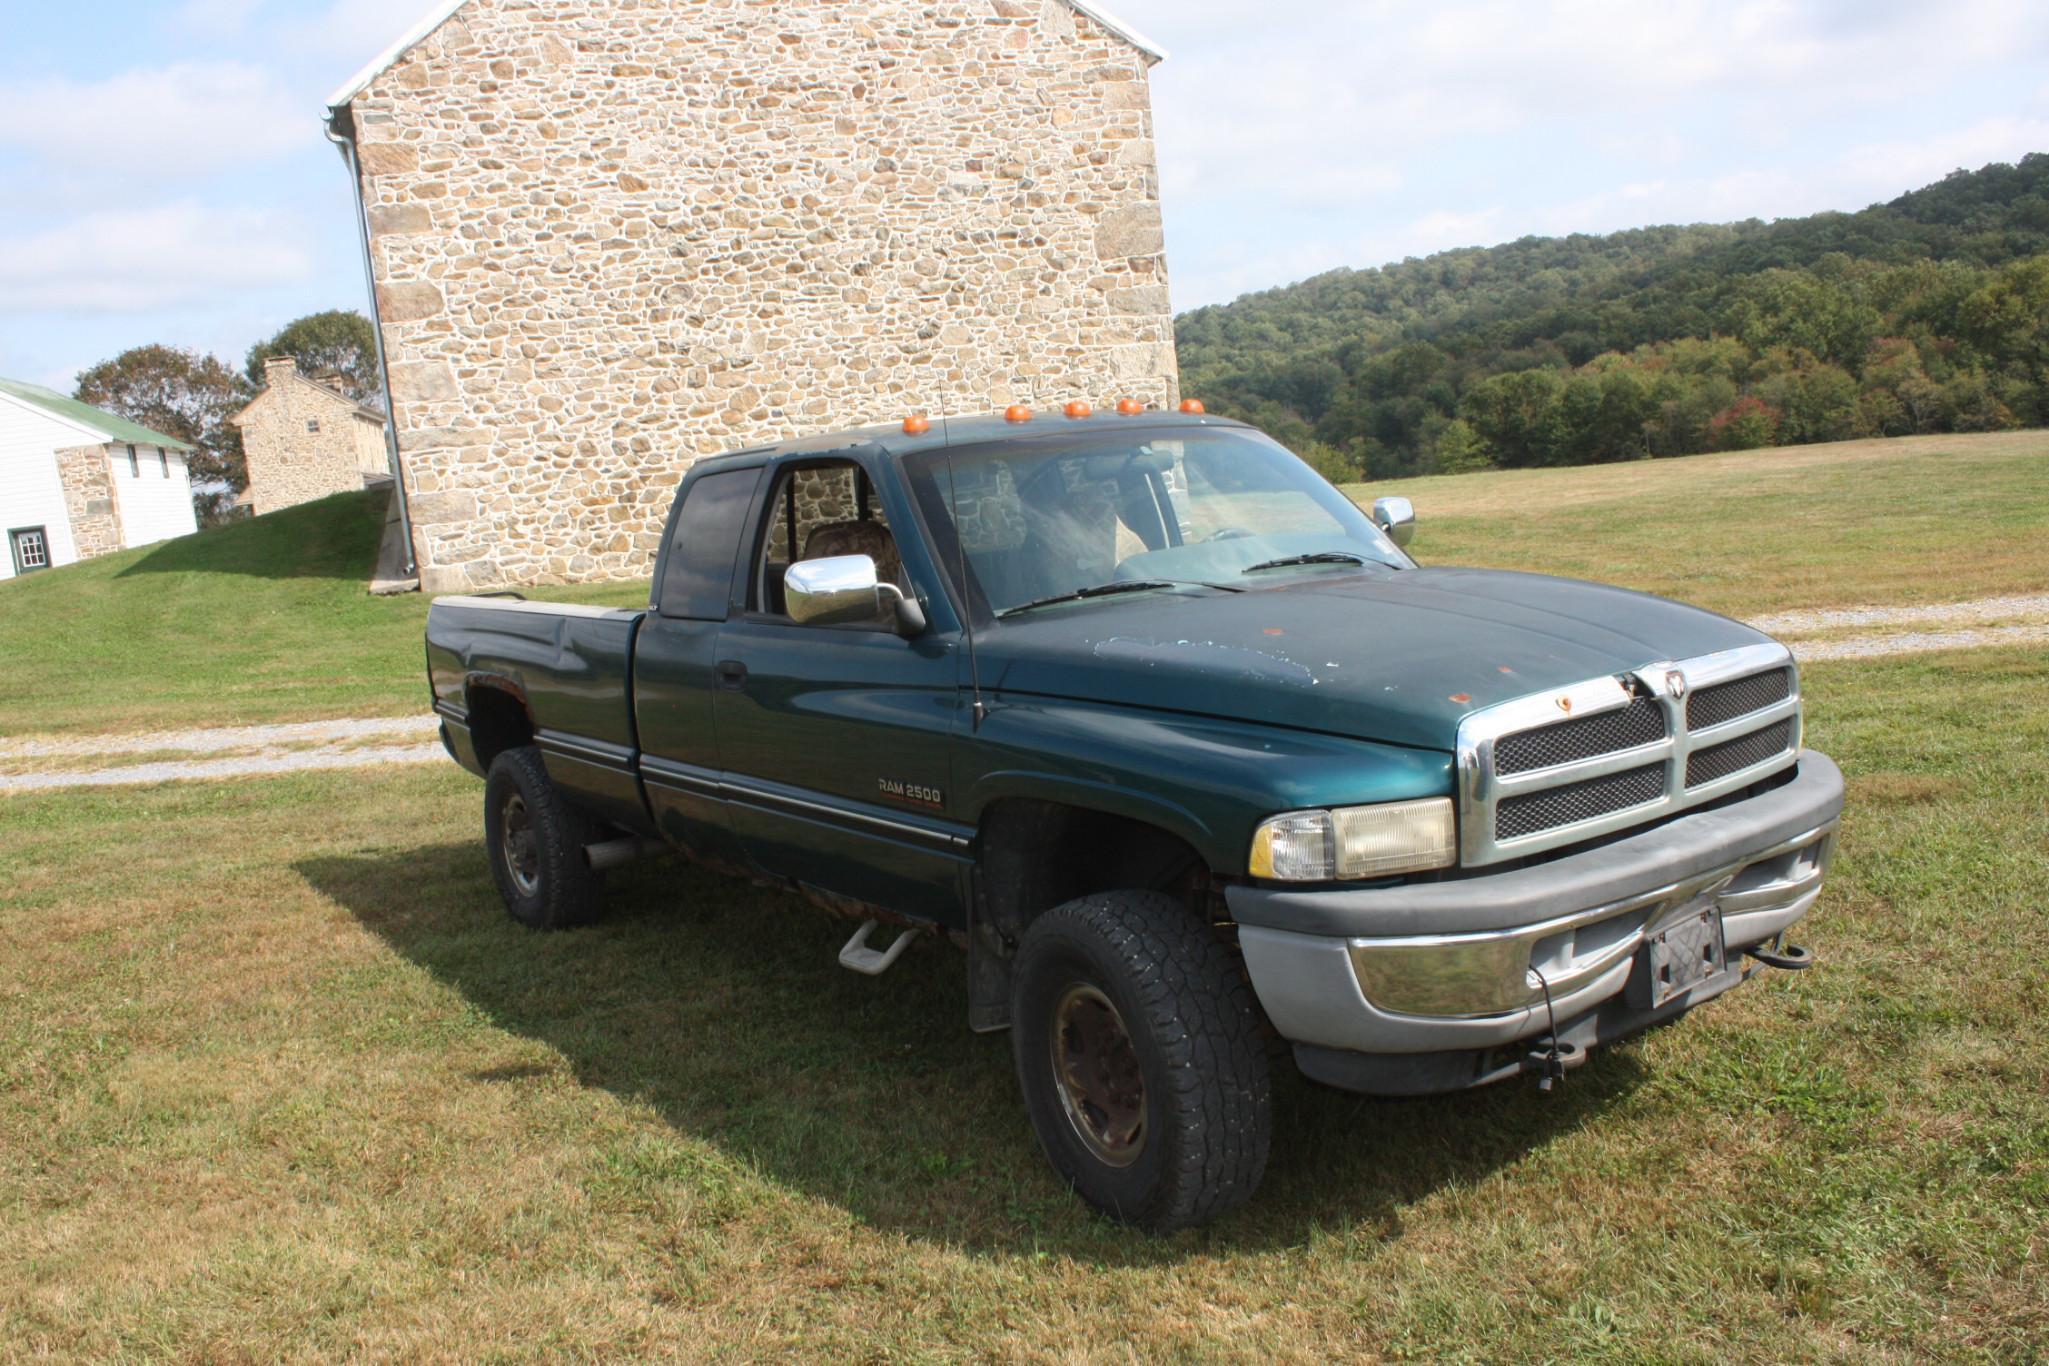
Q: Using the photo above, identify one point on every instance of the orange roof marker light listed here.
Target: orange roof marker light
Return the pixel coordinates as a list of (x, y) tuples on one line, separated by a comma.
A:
[(917, 424), (1017, 412), (1080, 409), (1192, 405), (1130, 407)]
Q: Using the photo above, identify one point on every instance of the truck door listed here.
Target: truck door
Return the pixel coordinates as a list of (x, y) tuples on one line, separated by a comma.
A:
[(836, 741), (673, 659)]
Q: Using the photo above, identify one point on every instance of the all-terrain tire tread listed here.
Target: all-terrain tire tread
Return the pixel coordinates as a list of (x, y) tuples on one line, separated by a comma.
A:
[(1199, 1008)]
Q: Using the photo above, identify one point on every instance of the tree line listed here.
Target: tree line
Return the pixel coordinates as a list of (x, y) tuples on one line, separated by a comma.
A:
[(1926, 314), (192, 396)]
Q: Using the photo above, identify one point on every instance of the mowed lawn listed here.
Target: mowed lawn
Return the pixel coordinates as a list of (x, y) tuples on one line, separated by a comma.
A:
[(268, 620), (1923, 519), (278, 1078), (257, 621)]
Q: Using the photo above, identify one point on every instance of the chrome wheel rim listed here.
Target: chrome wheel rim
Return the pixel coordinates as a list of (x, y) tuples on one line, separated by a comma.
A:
[(1098, 1075), (522, 851)]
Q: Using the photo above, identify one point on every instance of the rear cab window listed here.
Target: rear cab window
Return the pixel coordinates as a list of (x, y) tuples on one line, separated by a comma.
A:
[(697, 577)]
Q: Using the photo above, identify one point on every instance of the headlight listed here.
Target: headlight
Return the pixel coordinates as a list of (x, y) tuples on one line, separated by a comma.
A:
[(1356, 841)]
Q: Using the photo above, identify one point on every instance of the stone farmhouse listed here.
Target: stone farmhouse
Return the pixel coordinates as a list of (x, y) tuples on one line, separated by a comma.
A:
[(76, 482), (305, 440), (607, 238)]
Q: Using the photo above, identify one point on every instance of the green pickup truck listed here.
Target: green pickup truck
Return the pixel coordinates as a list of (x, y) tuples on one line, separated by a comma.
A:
[(1182, 749)]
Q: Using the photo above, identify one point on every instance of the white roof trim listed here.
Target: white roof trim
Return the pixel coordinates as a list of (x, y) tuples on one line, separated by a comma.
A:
[(388, 58), (445, 10), (1121, 29)]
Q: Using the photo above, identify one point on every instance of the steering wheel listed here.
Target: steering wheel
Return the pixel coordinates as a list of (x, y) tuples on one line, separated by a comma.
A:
[(1229, 533)]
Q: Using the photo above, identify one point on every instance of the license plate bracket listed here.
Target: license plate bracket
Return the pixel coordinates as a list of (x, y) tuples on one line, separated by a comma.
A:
[(1684, 951)]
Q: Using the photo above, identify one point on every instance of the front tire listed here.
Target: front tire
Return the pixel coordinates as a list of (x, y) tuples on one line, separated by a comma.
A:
[(536, 842), (1138, 1048)]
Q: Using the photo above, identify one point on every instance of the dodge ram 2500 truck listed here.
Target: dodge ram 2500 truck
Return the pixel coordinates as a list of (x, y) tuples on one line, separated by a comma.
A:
[(1182, 748)]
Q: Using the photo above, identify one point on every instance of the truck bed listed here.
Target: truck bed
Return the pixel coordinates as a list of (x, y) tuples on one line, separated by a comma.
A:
[(567, 667)]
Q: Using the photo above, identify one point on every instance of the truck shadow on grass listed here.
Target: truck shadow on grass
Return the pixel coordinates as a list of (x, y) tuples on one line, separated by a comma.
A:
[(721, 1006)]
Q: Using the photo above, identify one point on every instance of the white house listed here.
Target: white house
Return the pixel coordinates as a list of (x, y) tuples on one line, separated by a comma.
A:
[(76, 482)]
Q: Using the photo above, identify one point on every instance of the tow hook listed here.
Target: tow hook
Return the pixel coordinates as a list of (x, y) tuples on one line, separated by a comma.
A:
[(1549, 1061), (1791, 957)]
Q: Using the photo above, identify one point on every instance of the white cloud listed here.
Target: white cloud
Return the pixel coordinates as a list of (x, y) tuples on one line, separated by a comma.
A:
[(138, 258), (158, 125)]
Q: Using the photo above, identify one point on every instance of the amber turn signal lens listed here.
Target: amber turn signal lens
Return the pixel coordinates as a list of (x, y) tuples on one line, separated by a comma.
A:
[(1017, 412), (1080, 409), (1192, 405), (916, 425), (1130, 407)]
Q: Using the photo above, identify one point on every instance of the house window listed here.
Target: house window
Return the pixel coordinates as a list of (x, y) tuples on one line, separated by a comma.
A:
[(31, 547), (164, 463), (312, 424), (134, 465)]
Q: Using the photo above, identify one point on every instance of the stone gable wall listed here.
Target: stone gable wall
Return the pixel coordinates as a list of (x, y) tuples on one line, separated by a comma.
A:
[(611, 237), (289, 465), (89, 501)]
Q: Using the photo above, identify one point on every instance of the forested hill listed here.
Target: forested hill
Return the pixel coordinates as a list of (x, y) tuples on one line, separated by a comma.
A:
[(1927, 314)]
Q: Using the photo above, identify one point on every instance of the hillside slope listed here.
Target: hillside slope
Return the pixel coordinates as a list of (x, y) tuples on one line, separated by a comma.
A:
[(1929, 313), (258, 620)]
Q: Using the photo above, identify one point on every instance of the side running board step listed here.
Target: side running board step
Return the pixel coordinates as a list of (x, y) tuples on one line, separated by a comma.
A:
[(858, 957)]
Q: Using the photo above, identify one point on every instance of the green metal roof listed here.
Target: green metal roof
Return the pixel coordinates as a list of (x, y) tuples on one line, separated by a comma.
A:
[(71, 410)]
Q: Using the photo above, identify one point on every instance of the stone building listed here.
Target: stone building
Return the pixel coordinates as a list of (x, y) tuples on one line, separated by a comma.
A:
[(610, 236), (306, 440)]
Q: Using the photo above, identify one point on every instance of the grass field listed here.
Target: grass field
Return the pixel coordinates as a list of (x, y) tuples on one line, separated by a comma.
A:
[(257, 621), (277, 1078), (267, 620), (1919, 519)]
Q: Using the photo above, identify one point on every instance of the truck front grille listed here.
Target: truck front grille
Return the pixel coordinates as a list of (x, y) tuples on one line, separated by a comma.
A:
[(1715, 762), (1575, 802), (1726, 701), (1634, 747), (1640, 723)]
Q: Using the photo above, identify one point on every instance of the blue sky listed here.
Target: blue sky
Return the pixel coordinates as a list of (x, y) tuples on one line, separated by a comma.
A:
[(163, 176)]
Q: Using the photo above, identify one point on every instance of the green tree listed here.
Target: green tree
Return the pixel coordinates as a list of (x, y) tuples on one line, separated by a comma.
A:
[(338, 343), (1514, 415), (1745, 425), (1460, 450), (2008, 320), (183, 394)]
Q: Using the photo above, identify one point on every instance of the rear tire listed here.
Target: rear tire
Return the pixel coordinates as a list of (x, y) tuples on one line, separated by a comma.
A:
[(1138, 1048), (536, 842)]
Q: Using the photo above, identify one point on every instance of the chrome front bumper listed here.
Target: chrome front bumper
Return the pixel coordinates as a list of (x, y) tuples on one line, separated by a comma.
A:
[(1463, 965)]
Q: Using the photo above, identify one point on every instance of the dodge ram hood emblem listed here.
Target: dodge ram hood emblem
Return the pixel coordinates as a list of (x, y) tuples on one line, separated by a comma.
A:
[(1675, 684)]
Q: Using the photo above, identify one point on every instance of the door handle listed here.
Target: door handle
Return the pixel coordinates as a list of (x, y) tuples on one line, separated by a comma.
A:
[(732, 674)]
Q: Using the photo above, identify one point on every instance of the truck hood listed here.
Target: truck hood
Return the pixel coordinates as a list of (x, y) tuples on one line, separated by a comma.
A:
[(1395, 657)]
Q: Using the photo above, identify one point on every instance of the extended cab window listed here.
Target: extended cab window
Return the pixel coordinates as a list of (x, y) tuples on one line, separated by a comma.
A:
[(698, 579), (821, 511)]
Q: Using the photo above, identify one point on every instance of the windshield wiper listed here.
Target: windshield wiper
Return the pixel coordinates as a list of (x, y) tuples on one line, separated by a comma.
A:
[(1101, 590), (1320, 557)]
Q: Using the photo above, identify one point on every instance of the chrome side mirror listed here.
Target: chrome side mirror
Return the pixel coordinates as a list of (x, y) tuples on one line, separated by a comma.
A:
[(843, 589), (1397, 517)]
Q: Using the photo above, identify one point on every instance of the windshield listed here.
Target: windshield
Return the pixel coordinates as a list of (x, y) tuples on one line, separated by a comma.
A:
[(1043, 518)]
